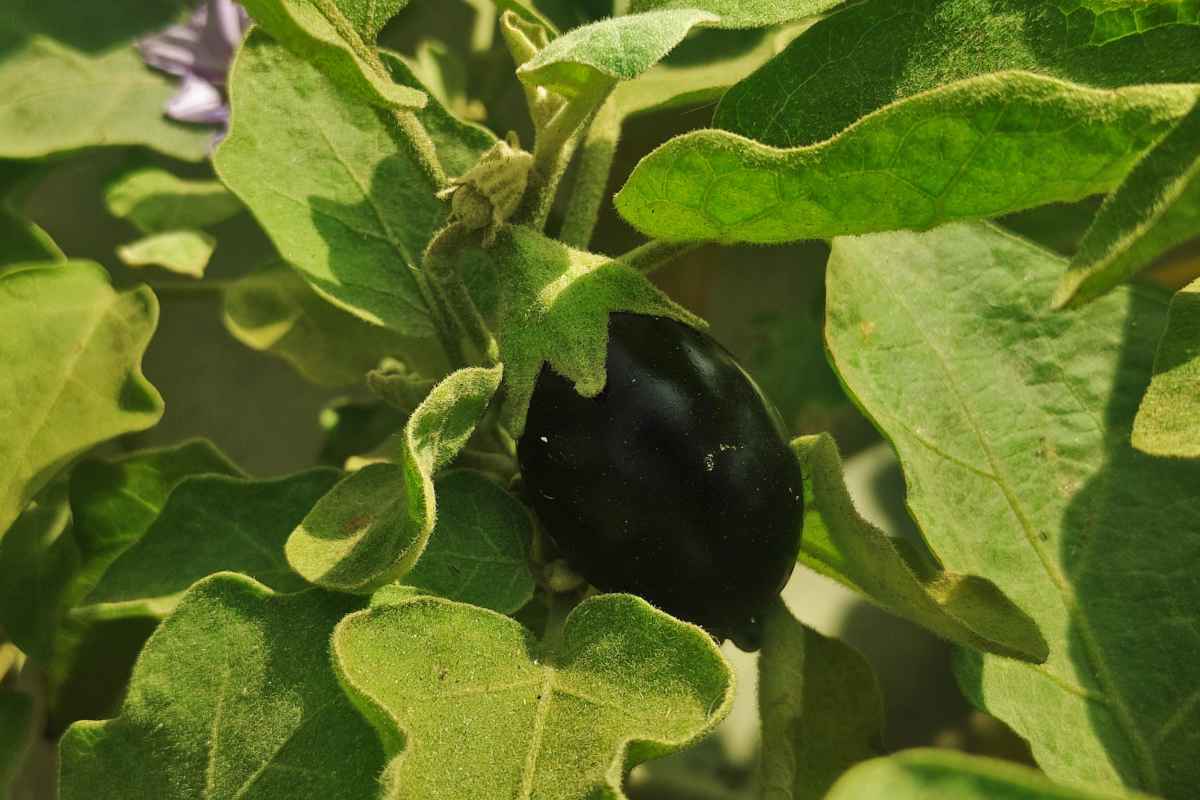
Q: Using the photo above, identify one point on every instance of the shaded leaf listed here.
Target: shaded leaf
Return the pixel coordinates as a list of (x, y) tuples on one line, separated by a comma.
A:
[(1156, 208), (1037, 487), (743, 14), (481, 700), (947, 775), (210, 524), (72, 349), (839, 544), (338, 37), (21, 240), (1168, 421), (371, 528), (16, 736), (554, 309), (1110, 20), (185, 252), (978, 148), (232, 697), (275, 311), (333, 183), (155, 200), (820, 706)]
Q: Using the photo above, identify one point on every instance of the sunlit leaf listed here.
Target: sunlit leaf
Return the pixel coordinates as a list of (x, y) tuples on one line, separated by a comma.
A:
[(155, 200), (1168, 422), (743, 13), (185, 252)]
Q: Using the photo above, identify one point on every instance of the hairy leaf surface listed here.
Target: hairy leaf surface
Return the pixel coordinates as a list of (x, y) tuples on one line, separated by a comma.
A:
[(743, 13), (1168, 421)]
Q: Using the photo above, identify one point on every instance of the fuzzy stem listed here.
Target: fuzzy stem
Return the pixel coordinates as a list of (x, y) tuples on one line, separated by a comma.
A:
[(591, 182), (446, 281), (655, 253), (444, 325)]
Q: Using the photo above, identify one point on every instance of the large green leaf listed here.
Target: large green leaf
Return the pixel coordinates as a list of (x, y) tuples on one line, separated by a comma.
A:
[(554, 308), (333, 182), (71, 348), (977, 148), (1012, 424), (1168, 422), (155, 200), (745, 13), (947, 775), (839, 544), (233, 696), (16, 736), (820, 706), (1156, 208), (879, 51), (371, 528), (71, 78), (480, 700), (338, 37), (210, 524)]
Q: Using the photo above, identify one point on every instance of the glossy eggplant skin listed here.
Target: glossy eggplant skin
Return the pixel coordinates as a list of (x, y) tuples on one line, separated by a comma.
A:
[(675, 483)]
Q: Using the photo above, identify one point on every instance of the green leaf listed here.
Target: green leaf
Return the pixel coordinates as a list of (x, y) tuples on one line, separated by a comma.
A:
[(1110, 20), (72, 348), (1168, 422), (155, 200), (478, 551), (820, 705), (482, 701), (977, 148), (880, 51), (21, 240), (1012, 424), (947, 775), (71, 79), (273, 310), (1155, 209), (743, 13), (554, 308), (185, 252), (232, 697), (596, 56), (16, 736), (839, 544), (371, 528), (333, 183), (526, 10), (210, 524), (338, 38)]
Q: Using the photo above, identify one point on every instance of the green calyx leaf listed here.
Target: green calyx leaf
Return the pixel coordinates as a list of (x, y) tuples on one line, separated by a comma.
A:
[(554, 307), (156, 201), (820, 705), (1168, 421), (72, 378), (334, 184), (1036, 486), (481, 700), (371, 528), (839, 544), (742, 14), (977, 148), (185, 252), (338, 37), (232, 697)]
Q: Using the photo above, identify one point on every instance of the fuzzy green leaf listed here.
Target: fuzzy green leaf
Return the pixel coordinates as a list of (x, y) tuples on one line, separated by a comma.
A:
[(599, 55), (71, 347), (947, 775), (210, 524), (743, 14), (1155, 209), (820, 706), (334, 184), (1109, 20), (554, 308), (16, 736), (371, 528), (155, 200), (233, 696), (275, 311), (977, 148), (1168, 422), (478, 552), (839, 544), (70, 79), (482, 701), (880, 51), (1012, 423), (338, 38), (185, 252)]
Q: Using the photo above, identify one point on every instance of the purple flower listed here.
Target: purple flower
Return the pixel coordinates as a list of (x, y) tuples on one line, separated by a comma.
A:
[(199, 51)]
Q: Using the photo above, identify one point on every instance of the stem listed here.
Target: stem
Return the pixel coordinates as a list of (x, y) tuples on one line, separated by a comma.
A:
[(447, 284), (421, 146), (591, 182), (655, 253)]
